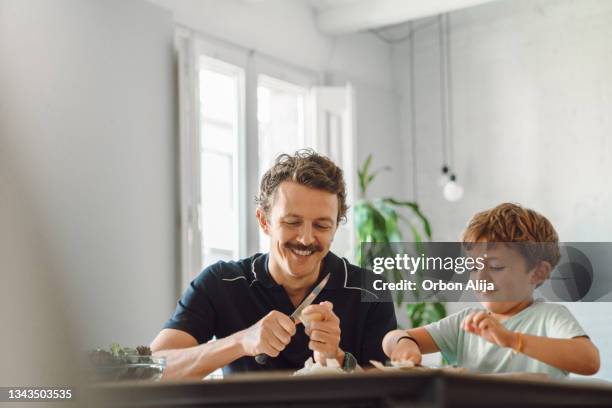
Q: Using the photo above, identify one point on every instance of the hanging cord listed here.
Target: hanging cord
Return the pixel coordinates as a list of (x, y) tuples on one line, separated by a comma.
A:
[(415, 178), (443, 91), (449, 91)]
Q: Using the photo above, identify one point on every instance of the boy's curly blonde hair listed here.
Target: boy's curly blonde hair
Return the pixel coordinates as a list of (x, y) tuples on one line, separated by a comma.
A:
[(509, 222)]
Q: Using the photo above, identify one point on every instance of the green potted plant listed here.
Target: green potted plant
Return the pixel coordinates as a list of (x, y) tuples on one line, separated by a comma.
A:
[(380, 220)]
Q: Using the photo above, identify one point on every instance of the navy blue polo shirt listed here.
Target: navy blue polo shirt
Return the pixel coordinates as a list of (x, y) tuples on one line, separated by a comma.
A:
[(231, 296)]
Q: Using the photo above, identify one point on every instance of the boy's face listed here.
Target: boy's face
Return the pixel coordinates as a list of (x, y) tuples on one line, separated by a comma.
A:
[(510, 274)]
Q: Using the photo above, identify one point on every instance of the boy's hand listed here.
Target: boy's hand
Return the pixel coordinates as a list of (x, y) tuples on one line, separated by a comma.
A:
[(406, 350), (489, 328)]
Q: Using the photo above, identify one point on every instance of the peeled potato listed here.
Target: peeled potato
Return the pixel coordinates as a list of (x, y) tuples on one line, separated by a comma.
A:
[(403, 364), (310, 317)]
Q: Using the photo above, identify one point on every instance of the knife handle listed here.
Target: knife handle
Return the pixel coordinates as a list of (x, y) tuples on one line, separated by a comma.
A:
[(261, 359)]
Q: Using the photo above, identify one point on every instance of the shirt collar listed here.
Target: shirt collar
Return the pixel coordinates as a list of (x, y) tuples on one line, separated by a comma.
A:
[(332, 264), (261, 272)]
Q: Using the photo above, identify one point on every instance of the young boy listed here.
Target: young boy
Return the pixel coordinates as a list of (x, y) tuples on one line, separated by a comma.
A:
[(514, 332)]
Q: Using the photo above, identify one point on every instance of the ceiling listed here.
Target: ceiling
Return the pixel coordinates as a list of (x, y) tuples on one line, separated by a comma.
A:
[(322, 5), (348, 16)]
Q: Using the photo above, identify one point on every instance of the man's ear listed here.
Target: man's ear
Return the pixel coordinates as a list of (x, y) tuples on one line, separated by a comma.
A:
[(263, 220), (541, 272)]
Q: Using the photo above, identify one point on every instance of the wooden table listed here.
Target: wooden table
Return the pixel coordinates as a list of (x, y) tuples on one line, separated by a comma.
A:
[(369, 389)]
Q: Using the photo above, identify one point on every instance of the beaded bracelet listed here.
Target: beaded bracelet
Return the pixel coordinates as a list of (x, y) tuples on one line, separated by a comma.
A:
[(519, 346)]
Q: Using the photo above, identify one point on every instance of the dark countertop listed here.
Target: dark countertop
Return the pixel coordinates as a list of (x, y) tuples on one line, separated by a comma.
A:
[(429, 388)]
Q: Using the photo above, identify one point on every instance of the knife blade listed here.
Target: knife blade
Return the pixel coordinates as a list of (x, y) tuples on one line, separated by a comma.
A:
[(295, 316)]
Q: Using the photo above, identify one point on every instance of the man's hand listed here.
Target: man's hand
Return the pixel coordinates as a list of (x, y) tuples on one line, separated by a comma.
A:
[(324, 333), (268, 336), (489, 328), (405, 350)]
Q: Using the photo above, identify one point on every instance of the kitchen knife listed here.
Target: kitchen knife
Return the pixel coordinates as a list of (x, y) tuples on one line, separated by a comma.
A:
[(295, 316)]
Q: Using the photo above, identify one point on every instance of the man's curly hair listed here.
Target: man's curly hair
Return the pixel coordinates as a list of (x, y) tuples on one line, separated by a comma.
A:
[(308, 168)]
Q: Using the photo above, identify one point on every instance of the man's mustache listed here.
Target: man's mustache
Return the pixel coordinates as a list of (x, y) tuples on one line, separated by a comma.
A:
[(299, 247)]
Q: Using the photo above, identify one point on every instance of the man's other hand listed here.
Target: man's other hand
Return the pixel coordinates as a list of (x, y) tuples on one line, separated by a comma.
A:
[(324, 333)]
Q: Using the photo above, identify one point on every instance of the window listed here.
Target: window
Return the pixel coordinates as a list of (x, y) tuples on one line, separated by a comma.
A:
[(220, 94), (281, 119)]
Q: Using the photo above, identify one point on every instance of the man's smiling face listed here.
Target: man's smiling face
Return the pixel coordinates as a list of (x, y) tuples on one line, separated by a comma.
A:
[(301, 224)]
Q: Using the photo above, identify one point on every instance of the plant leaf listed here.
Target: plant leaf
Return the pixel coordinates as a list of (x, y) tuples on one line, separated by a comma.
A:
[(415, 232), (363, 175), (441, 309), (391, 217), (415, 208)]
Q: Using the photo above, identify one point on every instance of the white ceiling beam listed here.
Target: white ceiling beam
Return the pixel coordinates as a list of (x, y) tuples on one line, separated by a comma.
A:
[(369, 14)]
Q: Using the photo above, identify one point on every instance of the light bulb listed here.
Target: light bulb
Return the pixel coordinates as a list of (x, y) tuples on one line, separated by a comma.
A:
[(453, 190), (444, 177)]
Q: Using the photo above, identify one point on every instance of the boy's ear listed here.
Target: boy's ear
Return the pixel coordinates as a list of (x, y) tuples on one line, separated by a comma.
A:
[(263, 220), (541, 272)]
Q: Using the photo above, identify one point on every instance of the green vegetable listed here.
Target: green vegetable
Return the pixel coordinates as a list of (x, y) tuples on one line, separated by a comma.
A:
[(124, 363)]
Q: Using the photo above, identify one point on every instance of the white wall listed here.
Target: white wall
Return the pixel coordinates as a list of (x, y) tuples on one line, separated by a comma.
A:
[(286, 30), (531, 105), (532, 98), (32, 303), (87, 115)]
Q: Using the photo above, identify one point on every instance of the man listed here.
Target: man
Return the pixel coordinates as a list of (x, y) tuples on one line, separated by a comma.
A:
[(246, 304)]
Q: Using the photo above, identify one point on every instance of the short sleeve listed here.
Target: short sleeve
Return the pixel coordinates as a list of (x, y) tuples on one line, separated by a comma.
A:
[(380, 320), (563, 325), (445, 333), (195, 313)]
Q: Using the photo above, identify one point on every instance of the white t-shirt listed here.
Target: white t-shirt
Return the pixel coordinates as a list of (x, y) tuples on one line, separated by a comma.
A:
[(475, 353)]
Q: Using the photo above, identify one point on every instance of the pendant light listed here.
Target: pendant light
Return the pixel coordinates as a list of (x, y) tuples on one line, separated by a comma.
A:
[(451, 190)]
